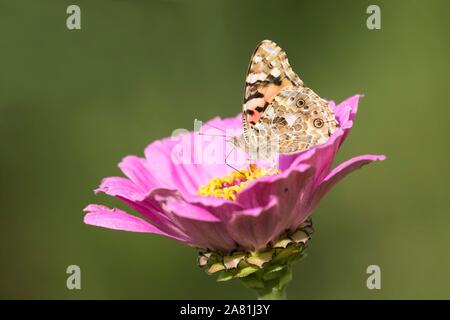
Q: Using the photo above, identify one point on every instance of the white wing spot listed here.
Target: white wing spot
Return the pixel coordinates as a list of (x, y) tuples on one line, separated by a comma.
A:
[(270, 113), (257, 59), (290, 119), (275, 72), (253, 77), (258, 125)]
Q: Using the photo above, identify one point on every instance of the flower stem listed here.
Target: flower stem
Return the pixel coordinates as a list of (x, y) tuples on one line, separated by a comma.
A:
[(270, 286), (274, 294)]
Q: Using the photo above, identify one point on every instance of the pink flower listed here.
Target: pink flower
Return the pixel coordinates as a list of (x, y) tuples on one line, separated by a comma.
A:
[(165, 192)]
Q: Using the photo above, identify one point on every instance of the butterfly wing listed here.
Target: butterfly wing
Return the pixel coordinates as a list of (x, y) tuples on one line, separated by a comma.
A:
[(278, 109), (268, 73), (297, 119)]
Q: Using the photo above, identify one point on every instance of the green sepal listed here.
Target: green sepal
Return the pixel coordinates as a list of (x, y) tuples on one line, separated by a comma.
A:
[(267, 271), (226, 275), (216, 267), (246, 271), (260, 258), (273, 272), (253, 282), (285, 253)]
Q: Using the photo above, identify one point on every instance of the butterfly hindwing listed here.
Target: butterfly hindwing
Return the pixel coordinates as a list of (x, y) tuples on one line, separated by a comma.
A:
[(297, 119)]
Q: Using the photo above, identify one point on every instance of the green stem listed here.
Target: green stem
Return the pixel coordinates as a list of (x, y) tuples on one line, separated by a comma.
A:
[(273, 294), (269, 286)]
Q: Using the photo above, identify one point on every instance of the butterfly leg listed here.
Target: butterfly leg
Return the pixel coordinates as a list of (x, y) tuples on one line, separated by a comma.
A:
[(249, 165)]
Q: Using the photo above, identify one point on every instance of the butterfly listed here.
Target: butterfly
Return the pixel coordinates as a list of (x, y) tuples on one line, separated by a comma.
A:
[(280, 114)]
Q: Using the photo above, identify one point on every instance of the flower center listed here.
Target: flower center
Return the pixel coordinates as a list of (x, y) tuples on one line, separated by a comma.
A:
[(230, 185)]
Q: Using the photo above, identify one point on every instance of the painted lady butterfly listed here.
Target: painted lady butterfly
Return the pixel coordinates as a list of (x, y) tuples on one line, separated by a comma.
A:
[(280, 114)]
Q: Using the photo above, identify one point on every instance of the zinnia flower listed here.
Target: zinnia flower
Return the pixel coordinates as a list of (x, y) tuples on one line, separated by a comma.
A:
[(250, 225)]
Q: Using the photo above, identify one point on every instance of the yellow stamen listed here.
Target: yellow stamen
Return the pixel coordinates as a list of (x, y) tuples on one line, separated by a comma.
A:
[(231, 184)]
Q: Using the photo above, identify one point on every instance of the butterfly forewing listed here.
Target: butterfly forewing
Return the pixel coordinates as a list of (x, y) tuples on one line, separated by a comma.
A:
[(268, 73)]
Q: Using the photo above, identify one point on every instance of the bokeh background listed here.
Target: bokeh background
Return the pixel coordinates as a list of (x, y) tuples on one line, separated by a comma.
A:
[(73, 103)]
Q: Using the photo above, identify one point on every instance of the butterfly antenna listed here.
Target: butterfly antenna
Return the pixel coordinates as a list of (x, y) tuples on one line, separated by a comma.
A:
[(198, 126), (209, 125), (214, 135), (226, 158)]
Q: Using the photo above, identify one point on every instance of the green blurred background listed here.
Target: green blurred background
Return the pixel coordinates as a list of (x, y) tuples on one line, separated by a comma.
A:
[(73, 103)]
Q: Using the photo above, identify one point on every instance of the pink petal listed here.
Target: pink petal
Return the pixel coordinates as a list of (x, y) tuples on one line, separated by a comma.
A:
[(340, 111), (320, 157), (205, 230), (273, 204), (117, 219), (138, 170), (254, 228), (128, 192), (341, 171), (187, 162), (119, 186)]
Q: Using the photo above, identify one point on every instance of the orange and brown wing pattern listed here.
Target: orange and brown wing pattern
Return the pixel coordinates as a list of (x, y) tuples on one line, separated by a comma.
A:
[(280, 114), (268, 73)]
